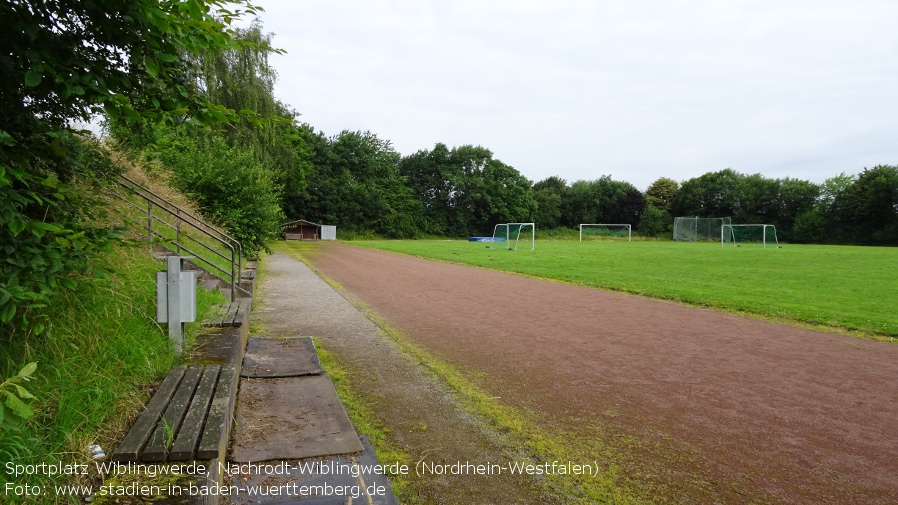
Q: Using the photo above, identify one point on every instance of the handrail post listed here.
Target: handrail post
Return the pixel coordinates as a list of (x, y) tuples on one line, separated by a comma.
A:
[(234, 280), (178, 230), (150, 222)]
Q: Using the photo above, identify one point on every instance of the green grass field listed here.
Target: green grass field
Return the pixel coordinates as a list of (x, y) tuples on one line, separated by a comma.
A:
[(841, 287)]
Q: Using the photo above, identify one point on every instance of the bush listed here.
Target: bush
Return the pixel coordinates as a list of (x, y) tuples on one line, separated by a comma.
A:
[(810, 228), (655, 222), (51, 193), (230, 187)]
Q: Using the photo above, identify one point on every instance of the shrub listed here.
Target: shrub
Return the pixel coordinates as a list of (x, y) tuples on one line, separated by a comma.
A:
[(229, 185)]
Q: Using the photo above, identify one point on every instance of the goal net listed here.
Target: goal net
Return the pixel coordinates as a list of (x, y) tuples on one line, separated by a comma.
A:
[(510, 233), (601, 231), (744, 234), (696, 229)]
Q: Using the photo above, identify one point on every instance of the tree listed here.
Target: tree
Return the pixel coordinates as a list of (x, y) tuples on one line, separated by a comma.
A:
[(661, 193), (354, 183), (242, 79), (833, 188), (236, 173), (629, 207), (601, 201), (868, 209), (796, 197), (548, 193), (754, 199), (229, 185), (548, 208), (431, 177), (708, 195), (810, 227), (504, 196), (655, 222), (554, 184), (318, 200), (465, 191), (822, 224), (67, 60)]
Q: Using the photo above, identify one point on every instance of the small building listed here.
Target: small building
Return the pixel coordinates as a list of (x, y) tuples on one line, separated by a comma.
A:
[(301, 230), (307, 230)]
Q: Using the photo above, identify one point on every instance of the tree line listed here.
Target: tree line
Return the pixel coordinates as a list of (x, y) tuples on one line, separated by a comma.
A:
[(844, 209)]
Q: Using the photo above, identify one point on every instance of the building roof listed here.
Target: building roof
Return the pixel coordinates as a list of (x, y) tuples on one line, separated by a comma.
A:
[(300, 221)]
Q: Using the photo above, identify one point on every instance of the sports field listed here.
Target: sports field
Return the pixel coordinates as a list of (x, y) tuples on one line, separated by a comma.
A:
[(841, 287), (682, 405)]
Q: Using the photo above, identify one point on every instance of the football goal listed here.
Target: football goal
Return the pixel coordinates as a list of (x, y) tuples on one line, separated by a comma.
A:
[(695, 229), (509, 233), (742, 234), (600, 231)]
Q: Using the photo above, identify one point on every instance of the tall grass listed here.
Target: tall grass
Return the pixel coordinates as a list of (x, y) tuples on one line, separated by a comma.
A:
[(97, 364), (841, 287)]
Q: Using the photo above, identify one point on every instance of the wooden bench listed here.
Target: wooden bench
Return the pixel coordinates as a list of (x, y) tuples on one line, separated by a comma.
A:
[(187, 419), (229, 314)]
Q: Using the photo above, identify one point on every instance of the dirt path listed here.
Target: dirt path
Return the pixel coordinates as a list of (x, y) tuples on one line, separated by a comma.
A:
[(420, 413), (755, 411)]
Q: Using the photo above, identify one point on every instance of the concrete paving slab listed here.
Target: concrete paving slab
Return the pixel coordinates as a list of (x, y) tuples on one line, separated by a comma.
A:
[(280, 357), (319, 481), (291, 418)]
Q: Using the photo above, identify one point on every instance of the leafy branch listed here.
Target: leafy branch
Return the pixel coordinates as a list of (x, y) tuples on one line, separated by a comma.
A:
[(14, 407)]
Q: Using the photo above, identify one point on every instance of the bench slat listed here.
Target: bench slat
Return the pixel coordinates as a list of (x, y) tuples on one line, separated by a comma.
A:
[(157, 447), (185, 444), (216, 319), (218, 418), (228, 320), (241, 313), (129, 449)]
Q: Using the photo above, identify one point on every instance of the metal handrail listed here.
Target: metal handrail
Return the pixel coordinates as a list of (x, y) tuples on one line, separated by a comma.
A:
[(192, 221), (198, 220)]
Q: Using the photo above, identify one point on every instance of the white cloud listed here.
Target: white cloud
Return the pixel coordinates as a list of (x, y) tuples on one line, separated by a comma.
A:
[(637, 90)]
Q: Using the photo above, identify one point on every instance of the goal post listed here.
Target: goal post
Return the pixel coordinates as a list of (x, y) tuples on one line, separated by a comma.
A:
[(695, 229), (510, 233), (606, 230), (740, 234)]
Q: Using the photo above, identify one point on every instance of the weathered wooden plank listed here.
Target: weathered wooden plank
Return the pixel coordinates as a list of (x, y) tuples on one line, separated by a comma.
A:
[(167, 429), (134, 441), (184, 448), (228, 320), (220, 311), (240, 317), (219, 415)]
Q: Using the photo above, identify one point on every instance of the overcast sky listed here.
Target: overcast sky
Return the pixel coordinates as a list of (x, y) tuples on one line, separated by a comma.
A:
[(633, 89)]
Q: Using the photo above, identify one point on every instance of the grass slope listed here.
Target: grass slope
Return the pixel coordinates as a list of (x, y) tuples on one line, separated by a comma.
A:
[(97, 365), (841, 287)]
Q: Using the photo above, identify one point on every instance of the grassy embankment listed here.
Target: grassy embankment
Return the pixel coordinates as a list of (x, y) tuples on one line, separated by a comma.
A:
[(98, 363)]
